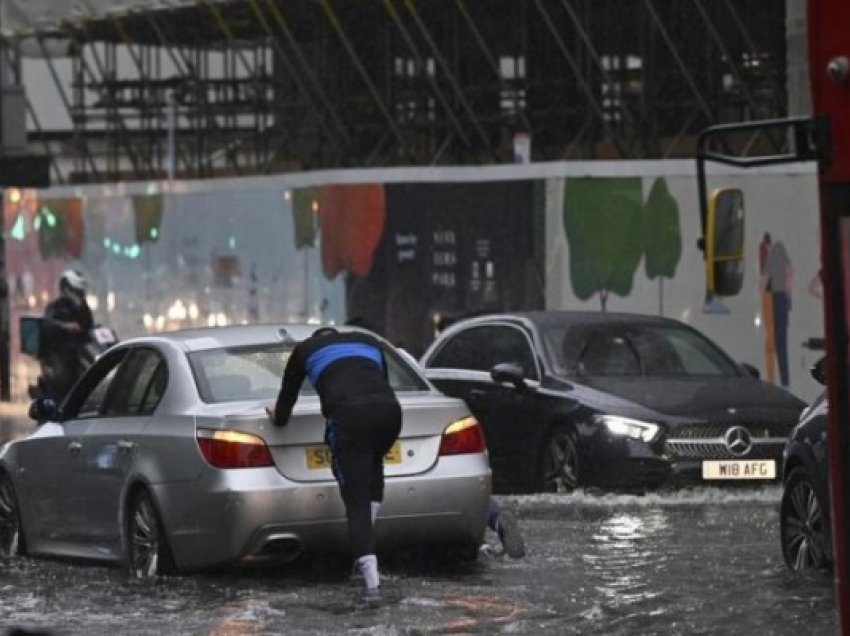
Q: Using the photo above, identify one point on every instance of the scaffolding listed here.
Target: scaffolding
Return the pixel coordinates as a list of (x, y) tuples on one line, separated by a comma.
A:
[(262, 86)]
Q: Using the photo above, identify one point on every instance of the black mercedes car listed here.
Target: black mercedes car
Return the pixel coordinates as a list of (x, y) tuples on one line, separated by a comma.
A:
[(623, 401), (805, 527)]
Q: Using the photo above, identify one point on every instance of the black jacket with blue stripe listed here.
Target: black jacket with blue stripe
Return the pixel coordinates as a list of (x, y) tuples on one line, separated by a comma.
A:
[(346, 369)]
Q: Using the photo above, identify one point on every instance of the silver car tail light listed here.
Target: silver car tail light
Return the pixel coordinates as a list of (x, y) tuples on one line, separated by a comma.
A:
[(232, 449), (462, 437)]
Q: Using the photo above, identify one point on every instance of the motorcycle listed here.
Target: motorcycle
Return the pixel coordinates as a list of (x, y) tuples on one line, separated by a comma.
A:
[(59, 373)]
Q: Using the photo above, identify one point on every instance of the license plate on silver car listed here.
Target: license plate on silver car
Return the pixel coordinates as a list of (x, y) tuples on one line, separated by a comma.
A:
[(321, 456), (739, 469)]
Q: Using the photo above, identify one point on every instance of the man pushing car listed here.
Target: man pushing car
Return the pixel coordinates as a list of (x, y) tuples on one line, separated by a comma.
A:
[(363, 420)]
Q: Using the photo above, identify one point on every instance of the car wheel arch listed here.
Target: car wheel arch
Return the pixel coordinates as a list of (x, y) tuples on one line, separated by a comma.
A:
[(131, 489), (798, 477), (800, 455), (135, 489), (6, 474), (554, 427), (790, 463)]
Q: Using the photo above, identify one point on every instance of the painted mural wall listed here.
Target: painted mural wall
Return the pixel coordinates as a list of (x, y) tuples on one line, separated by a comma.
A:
[(629, 244), (193, 256), (448, 250), (403, 249)]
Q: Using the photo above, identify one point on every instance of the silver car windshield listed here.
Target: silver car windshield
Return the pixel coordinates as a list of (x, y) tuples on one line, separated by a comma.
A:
[(255, 372), (634, 350)]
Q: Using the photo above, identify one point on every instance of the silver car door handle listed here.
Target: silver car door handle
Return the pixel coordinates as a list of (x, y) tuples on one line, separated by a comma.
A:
[(125, 446), (74, 447)]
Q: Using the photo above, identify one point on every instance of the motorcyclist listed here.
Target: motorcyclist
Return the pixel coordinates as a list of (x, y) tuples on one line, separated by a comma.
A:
[(65, 329)]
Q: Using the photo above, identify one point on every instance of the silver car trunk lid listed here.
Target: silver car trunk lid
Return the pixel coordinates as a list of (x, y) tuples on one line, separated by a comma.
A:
[(299, 450)]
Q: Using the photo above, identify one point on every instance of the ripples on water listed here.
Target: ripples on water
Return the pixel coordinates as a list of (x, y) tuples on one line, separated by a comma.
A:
[(703, 561)]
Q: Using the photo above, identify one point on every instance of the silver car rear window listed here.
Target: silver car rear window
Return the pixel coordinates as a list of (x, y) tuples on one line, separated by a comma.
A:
[(255, 372), (241, 373)]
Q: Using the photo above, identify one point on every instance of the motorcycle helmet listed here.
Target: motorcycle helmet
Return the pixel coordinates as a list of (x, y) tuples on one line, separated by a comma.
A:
[(72, 284)]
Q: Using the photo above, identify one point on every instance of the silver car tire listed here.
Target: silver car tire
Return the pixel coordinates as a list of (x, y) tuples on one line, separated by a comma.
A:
[(11, 533), (559, 463), (804, 525), (148, 553)]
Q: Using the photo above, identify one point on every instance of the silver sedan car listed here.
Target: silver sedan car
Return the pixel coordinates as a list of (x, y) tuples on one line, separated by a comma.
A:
[(162, 457)]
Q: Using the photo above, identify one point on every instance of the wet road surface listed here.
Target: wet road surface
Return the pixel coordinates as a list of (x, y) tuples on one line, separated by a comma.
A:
[(703, 561), (695, 562)]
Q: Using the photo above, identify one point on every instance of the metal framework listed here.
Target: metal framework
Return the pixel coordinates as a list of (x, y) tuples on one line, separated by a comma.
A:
[(258, 86)]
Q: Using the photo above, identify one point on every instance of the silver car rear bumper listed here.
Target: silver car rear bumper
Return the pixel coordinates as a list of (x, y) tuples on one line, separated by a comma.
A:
[(246, 515)]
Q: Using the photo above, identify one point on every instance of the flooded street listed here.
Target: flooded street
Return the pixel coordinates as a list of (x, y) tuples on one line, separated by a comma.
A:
[(704, 561)]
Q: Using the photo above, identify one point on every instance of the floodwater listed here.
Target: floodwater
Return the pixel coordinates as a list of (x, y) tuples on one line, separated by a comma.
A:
[(703, 561)]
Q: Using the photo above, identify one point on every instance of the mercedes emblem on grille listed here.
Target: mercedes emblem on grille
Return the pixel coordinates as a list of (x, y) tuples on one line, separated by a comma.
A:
[(738, 441)]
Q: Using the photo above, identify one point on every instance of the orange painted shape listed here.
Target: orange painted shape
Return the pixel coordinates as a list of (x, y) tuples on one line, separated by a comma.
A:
[(351, 221), (769, 327)]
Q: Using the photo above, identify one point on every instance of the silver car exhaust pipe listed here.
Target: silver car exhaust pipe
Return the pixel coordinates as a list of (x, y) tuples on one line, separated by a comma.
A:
[(277, 548)]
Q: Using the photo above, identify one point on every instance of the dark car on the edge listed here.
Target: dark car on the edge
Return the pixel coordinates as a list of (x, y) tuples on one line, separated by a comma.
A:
[(805, 530), (571, 399)]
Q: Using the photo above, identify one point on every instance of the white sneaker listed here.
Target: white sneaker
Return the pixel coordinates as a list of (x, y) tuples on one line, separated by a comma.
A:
[(368, 566)]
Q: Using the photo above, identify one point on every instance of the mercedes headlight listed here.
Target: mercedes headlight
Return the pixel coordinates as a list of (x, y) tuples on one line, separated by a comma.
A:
[(626, 426)]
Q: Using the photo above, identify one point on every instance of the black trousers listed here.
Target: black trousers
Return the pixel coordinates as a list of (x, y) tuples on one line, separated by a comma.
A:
[(359, 436)]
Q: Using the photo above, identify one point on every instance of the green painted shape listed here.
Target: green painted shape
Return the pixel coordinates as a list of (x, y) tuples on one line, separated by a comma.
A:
[(603, 222), (304, 217), (147, 217), (51, 231), (19, 229), (662, 232)]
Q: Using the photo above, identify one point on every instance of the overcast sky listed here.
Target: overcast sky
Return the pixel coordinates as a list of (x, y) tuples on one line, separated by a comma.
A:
[(25, 16)]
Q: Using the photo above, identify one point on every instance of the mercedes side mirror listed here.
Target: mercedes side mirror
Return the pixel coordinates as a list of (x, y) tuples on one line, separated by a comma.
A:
[(43, 409), (509, 373)]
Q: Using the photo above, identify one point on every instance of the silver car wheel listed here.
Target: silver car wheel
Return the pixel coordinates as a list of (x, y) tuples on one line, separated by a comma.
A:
[(10, 520), (560, 462), (146, 542), (803, 525)]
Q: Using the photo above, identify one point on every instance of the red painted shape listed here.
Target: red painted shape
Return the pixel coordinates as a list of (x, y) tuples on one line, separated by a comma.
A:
[(351, 218)]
